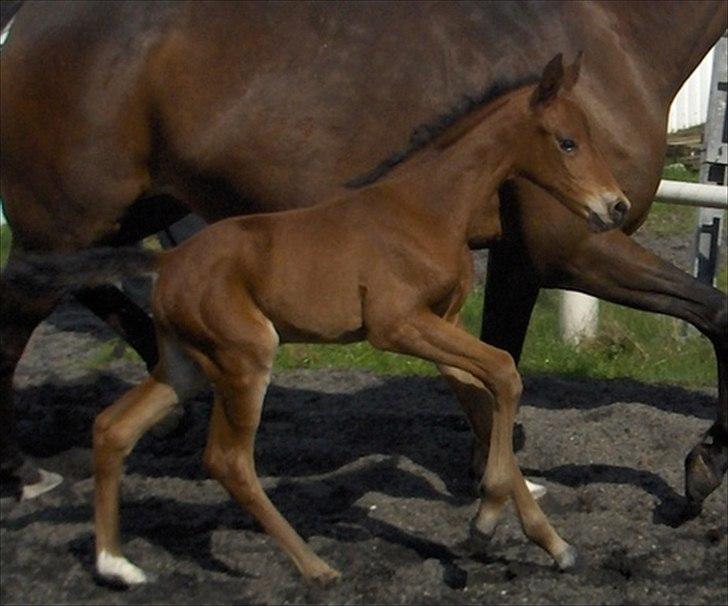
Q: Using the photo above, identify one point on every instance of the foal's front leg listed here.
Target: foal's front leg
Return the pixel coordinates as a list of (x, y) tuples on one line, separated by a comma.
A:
[(478, 403), (429, 336)]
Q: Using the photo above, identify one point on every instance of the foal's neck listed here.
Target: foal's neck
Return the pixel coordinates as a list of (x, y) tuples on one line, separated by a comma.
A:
[(457, 176)]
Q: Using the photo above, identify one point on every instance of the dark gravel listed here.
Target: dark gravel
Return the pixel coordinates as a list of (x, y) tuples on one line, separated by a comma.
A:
[(372, 472)]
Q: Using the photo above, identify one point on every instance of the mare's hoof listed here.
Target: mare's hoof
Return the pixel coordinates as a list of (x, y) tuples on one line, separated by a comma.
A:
[(45, 482), (567, 558), (22, 480), (118, 571), (704, 469)]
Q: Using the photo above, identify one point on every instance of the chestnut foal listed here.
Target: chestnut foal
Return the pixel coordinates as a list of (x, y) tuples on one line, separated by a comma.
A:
[(389, 263)]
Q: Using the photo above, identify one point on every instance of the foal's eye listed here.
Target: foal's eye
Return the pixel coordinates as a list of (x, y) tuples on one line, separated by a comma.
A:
[(567, 145)]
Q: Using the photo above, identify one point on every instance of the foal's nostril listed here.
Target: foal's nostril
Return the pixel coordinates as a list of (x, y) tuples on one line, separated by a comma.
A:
[(619, 210)]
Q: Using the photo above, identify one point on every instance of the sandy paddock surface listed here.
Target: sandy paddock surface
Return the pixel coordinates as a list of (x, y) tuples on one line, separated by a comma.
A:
[(371, 471)]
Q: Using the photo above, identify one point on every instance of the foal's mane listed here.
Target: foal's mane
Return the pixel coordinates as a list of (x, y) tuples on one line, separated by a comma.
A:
[(428, 133)]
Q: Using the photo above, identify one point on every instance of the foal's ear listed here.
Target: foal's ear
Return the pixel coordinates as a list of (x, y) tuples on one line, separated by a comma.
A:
[(571, 73), (551, 81)]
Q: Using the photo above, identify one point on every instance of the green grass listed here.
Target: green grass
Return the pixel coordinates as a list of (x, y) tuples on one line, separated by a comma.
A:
[(629, 343), (5, 239), (679, 172), (671, 220), (100, 357)]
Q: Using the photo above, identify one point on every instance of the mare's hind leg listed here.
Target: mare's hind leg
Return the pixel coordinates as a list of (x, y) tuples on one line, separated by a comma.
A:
[(116, 431), (229, 454), (20, 314), (430, 337)]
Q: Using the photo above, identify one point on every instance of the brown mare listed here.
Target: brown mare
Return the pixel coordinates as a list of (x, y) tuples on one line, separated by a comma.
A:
[(117, 118), (388, 263)]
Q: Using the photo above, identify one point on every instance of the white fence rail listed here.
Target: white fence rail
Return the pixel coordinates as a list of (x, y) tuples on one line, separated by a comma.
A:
[(703, 195)]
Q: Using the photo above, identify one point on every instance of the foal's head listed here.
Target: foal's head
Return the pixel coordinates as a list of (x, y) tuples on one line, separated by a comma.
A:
[(558, 154)]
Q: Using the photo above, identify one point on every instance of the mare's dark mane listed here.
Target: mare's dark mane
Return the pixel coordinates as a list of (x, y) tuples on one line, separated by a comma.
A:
[(425, 134)]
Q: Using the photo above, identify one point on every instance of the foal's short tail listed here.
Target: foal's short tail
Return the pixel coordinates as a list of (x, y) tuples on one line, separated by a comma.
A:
[(60, 273)]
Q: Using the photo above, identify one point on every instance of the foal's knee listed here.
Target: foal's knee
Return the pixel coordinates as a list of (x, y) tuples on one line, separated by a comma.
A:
[(110, 443), (506, 380)]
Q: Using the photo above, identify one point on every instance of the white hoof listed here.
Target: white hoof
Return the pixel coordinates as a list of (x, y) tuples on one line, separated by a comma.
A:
[(566, 558), (536, 490), (48, 481), (118, 569)]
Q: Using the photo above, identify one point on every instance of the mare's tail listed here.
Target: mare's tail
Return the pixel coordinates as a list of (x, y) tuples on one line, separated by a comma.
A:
[(61, 273)]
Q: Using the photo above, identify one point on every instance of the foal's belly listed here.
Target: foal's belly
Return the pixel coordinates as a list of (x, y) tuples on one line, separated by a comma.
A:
[(313, 303)]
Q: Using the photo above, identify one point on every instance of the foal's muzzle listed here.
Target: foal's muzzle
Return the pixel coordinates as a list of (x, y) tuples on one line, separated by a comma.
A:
[(616, 213)]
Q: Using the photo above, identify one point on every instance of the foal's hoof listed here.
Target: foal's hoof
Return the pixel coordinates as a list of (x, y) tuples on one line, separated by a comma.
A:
[(481, 534), (46, 481), (324, 576), (566, 559), (119, 571)]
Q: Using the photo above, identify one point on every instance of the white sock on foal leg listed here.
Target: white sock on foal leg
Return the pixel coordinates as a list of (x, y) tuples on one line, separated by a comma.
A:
[(119, 569)]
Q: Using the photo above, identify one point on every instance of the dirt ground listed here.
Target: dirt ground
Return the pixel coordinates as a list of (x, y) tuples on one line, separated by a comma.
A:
[(371, 471)]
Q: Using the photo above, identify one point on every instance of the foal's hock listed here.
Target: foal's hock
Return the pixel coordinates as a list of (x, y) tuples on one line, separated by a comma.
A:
[(388, 263)]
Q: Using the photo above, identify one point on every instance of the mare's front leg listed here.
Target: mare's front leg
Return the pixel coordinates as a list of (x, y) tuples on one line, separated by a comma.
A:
[(614, 267), (21, 311), (427, 336)]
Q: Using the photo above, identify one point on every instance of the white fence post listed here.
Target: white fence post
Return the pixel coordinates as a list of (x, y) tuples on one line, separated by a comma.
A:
[(578, 317), (713, 167)]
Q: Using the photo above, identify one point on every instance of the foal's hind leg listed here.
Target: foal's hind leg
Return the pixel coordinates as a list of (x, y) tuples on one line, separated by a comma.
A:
[(229, 455), (116, 431)]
